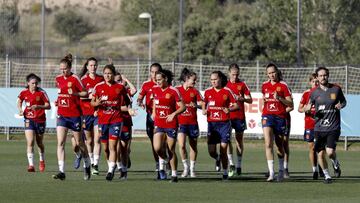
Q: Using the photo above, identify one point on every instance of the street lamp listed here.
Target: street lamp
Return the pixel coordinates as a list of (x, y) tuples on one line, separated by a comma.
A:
[(147, 15)]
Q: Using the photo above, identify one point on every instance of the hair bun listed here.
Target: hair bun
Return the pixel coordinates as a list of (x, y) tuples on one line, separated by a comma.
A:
[(68, 57)]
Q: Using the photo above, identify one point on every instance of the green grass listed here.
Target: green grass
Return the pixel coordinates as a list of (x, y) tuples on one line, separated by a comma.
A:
[(17, 185)]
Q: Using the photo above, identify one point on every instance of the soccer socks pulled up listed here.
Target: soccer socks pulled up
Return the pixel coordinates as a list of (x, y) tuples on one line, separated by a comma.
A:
[(286, 164), (111, 166), (162, 164), (30, 157), (271, 167), (281, 164), (61, 166), (41, 156), (230, 159), (185, 163), (96, 159), (91, 156), (192, 165), (326, 174), (239, 159)]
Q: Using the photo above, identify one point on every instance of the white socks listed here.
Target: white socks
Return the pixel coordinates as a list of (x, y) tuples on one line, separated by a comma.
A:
[(271, 167), (41, 156), (230, 159), (96, 159), (111, 166), (30, 157), (61, 166)]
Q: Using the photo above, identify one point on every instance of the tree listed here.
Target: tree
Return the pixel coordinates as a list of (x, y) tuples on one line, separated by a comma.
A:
[(72, 25), (10, 18)]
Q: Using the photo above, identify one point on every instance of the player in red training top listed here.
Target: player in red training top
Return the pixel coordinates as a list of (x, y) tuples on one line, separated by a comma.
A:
[(166, 101), (220, 101), (188, 125), (89, 79), (36, 101), (70, 90), (146, 91), (108, 97), (237, 118), (277, 97), (310, 124), (123, 148)]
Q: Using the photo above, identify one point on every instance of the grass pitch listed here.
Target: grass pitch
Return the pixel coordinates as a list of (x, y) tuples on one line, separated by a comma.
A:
[(17, 185)]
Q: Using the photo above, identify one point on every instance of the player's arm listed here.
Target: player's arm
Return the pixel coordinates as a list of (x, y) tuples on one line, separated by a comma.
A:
[(342, 100), (178, 111), (19, 106), (133, 89), (46, 105), (95, 101)]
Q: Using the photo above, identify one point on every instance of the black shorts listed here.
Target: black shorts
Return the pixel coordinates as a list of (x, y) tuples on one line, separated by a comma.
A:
[(326, 139)]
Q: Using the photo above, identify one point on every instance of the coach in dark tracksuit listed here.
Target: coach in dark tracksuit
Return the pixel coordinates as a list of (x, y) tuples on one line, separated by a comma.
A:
[(328, 100)]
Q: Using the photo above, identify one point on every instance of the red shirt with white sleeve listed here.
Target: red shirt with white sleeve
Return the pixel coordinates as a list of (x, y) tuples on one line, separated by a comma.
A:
[(68, 104), (89, 85), (190, 98), (112, 98), (39, 97), (216, 101), (146, 90), (239, 88), (272, 106), (165, 104)]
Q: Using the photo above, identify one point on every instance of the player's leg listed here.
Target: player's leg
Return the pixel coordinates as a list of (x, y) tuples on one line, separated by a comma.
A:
[(171, 144), (97, 149), (29, 135), (159, 140), (183, 153)]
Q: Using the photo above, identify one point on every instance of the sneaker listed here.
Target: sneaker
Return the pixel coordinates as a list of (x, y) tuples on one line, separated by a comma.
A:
[(225, 177), (315, 175), (217, 165), (31, 169), (337, 171), (42, 166), (280, 176), (185, 173), (123, 175), (286, 173), (87, 173), (231, 170), (327, 181), (174, 179), (95, 170), (77, 162), (163, 175), (270, 177), (109, 176), (60, 176), (129, 163), (238, 171)]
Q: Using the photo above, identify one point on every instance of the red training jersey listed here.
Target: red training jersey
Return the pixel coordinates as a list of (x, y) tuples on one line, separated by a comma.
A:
[(112, 98), (309, 117), (68, 104), (273, 106), (39, 97), (216, 101), (190, 98), (127, 102), (89, 84), (146, 90), (239, 88), (165, 104)]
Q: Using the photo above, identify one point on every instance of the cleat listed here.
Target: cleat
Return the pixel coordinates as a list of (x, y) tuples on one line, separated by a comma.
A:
[(60, 176), (31, 169), (42, 166), (337, 171), (109, 176), (217, 165), (315, 175), (174, 179), (192, 174), (123, 175), (87, 173), (129, 163), (162, 175), (286, 173), (185, 173), (231, 170), (95, 170), (327, 181), (225, 177), (280, 176), (238, 171), (270, 177), (77, 162)]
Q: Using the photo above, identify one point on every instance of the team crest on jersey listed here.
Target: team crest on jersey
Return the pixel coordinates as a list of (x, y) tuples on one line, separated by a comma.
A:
[(239, 87), (333, 96), (167, 96), (192, 94), (117, 90), (69, 84), (225, 97), (278, 89), (37, 98)]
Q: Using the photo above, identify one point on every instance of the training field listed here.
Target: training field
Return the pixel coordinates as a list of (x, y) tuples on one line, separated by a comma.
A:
[(17, 185)]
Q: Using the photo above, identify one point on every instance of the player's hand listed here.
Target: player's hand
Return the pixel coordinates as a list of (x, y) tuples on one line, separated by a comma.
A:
[(192, 104), (95, 113), (240, 98), (132, 112), (21, 113), (97, 102), (226, 110), (307, 108), (338, 106), (34, 107), (170, 117), (204, 112), (141, 105)]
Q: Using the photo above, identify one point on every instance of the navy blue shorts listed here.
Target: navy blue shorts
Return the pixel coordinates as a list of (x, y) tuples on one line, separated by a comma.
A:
[(110, 131), (125, 133), (38, 128), (73, 123), (89, 122), (171, 132), (190, 130), (219, 132), (149, 126), (278, 124), (309, 135), (238, 125)]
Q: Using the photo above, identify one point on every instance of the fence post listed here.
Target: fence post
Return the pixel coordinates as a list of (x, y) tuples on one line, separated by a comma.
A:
[(201, 75), (7, 71), (346, 92), (138, 74), (7, 132), (75, 64), (257, 75)]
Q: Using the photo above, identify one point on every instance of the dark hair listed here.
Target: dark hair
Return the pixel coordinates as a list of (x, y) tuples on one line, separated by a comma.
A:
[(67, 60), (166, 74), (156, 65), (222, 77), (111, 67), (84, 68), (32, 76), (322, 68), (234, 66), (312, 76), (185, 74)]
